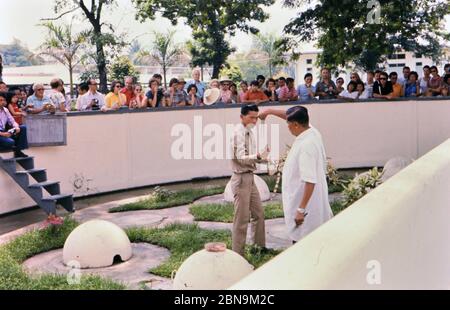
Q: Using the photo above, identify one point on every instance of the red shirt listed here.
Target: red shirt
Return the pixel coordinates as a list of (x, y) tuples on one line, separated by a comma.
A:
[(18, 119), (129, 94), (253, 96)]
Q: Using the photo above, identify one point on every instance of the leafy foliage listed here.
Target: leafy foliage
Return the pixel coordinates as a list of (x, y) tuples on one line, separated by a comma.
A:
[(270, 45), (121, 68), (361, 185), (211, 22), (345, 32)]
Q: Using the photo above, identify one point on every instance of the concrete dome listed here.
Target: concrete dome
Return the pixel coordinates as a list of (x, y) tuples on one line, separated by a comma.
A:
[(96, 244), (394, 166), (214, 268), (263, 189)]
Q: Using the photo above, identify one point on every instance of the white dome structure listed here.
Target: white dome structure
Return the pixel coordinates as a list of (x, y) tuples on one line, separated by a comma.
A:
[(394, 166), (214, 268), (263, 189), (96, 244)]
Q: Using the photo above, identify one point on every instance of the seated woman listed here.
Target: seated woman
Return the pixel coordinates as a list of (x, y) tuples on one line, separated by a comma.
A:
[(154, 97), (435, 83), (271, 90), (138, 101), (115, 99), (12, 102), (363, 93), (193, 99), (446, 86), (350, 93), (340, 85), (412, 86)]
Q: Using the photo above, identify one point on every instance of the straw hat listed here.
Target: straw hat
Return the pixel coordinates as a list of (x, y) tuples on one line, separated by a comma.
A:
[(211, 96)]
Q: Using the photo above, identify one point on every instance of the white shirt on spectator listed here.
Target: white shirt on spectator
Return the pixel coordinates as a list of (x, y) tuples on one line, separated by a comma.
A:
[(306, 162), (87, 98), (351, 95), (364, 95), (57, 98)]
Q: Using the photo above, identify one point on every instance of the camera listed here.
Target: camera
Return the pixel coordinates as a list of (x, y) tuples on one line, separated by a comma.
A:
[(12, 131), (95, 106)]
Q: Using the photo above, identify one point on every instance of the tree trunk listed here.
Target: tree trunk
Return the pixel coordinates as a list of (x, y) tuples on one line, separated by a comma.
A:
[(216, 69), (71, 80), (101, 66), (164, 74)]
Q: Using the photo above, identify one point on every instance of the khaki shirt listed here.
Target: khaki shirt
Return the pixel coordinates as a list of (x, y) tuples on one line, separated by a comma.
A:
[(245, 156)]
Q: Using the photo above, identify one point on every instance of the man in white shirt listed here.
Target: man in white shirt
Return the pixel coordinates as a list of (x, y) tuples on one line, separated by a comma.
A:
[(56, 96), (305, 189), (92, 100)]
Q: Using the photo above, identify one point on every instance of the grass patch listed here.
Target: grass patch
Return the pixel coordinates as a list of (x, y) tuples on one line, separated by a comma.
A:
[(176, 199), (183, 240), (216, 212), (13, 254)]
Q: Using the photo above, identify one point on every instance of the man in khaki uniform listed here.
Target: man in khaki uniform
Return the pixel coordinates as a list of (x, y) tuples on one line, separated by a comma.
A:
[(247, 202)]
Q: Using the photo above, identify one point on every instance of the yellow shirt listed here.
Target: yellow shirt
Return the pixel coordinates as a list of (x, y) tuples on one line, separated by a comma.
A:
[(112, 99), (397, 90)]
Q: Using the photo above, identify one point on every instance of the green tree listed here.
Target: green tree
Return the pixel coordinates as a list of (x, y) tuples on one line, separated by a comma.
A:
[(164, 51), (102, 34), (270, 45), (121, 68), (350, 31), (211, 21), (233, 72), (64, 46)]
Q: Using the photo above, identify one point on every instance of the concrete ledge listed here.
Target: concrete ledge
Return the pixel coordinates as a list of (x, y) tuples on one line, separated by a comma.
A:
[(396, 237)]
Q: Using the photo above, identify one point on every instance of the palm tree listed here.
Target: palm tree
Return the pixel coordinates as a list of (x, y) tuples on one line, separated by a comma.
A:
[(64, 46), (164, 51), (269, 44)]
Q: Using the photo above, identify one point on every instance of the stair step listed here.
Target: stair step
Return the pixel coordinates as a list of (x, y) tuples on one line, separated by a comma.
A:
[(43, 184), (17, 159), (57, 197), (40, 175)]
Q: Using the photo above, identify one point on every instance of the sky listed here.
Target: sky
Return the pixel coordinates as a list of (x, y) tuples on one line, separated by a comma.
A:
[(21, 17)]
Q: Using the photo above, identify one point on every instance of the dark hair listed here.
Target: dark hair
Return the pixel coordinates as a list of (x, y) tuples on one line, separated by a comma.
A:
[(298, 115), (378, 71), (360, 83), (3, 95), (190, 88), (370, 72), (151, 81), (90, 81), (307, 75), (404, 68), (173, 81), (340, 78), (392, 74), (282, 79), (157, 76), (84, 86), (1, 82), (426, 67), (434, 67), (446, 66), (254, 83), (248, 108), (113, 85), (9, 96), (384, 73), (243, 82), (290, 80), (261, 77), (352, 83), (446, 77), (415, 74), (270, 80), (55, 84)]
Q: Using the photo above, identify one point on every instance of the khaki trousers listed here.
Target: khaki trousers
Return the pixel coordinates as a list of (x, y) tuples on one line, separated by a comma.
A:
[(247, 206)]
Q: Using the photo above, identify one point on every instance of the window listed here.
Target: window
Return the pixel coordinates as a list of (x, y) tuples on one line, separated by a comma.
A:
[(308, 61), (418, 64), (397, 56), (309, 70), (417, 55), (393, 66)]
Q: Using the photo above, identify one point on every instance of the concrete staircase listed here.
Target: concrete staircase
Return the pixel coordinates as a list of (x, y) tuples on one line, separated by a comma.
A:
[(46, 194)]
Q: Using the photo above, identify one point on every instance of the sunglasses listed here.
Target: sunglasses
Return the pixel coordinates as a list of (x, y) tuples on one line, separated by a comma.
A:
[(39, 89), (117, 86)]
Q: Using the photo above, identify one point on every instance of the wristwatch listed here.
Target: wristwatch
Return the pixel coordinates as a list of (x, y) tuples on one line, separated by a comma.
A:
[(301, 210)]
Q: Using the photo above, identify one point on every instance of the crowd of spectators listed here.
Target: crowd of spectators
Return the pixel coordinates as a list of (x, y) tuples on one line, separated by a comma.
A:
[(194, 92)]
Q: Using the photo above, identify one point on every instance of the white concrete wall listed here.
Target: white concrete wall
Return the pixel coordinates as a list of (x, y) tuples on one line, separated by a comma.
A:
[(120, 151), (398, 237)]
